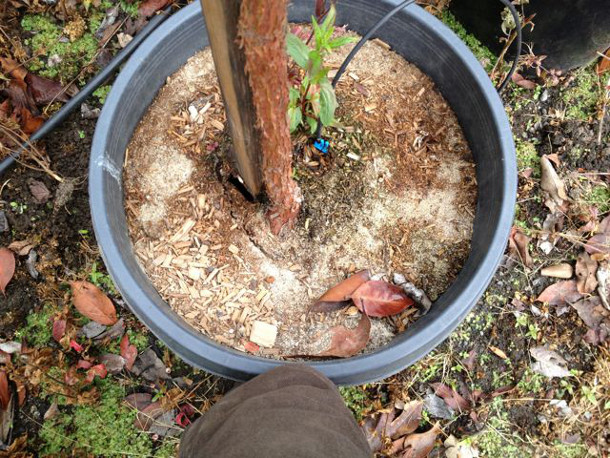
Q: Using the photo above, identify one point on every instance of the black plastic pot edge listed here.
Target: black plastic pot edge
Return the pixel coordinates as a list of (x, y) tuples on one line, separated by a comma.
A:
[(423, 40)]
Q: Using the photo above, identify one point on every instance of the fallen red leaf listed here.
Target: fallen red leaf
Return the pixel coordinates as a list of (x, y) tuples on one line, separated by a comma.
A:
[(83, 364), (71, 377), (99, 370), (585, 273), (128, 352), (560, 293), (30, 123), (251, 347), (451, 397), (76, 346), (150, 7), (379, 298), (7, 268), (93, 303), (338, 296), (347, 342), (416, 445), (59, 329), (5, 394), (518, 244), (182, 420)]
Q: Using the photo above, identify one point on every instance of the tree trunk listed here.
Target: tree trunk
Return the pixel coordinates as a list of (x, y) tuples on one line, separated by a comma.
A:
[(248, 39)]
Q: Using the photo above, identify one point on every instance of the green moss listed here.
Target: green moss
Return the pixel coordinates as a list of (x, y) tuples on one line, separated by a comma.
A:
[(571, 451), (39, 327), (484, 55), (582, 97), (45, 43), (130, 8), (138, 339), (101, 279), (356, 399), (102, 92), (167, 450), (599, 196), (527, 157), (104, 429), (498, 439), (531, 382)]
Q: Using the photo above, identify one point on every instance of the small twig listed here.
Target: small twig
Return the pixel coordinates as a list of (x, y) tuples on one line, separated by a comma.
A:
[(601, 121)]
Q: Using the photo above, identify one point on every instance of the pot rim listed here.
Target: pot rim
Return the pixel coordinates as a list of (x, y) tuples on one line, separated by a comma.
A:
[(201, 351)]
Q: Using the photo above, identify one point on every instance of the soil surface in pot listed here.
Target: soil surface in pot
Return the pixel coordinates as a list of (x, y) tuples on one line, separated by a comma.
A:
[(397, 193)]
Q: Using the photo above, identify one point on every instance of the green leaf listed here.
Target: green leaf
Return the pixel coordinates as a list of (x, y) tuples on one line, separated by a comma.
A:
[(328, 103), (341, 41), (316, 66), (313, 124), (329, 22), (295, 116), (298, 50), (294, 95)]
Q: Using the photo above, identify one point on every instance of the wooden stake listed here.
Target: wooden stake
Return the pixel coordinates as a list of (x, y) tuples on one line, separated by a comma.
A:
[(222, 17)]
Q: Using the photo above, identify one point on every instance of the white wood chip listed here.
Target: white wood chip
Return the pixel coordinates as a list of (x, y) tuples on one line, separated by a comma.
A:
[(263, 334)]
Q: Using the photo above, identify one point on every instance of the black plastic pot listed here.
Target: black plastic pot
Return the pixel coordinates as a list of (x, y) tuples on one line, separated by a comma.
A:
[(421, 39), (569, 32)]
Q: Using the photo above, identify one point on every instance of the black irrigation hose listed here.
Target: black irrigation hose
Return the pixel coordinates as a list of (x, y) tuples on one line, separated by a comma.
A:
[(513, 68), (389, 15), (87, 90)]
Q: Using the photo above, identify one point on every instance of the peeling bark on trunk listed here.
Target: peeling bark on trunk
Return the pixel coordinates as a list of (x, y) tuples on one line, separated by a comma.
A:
[(261, 32)]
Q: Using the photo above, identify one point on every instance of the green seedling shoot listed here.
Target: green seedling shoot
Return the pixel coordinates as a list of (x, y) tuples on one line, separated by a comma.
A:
[(312, 95)]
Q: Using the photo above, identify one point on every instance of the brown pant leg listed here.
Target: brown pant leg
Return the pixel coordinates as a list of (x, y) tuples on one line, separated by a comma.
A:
[(291, 411)]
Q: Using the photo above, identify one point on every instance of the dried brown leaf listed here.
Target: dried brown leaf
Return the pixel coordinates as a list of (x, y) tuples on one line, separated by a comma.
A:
[(560, 293), (379, 298), (377, 428), (586, 269), (44, 90), (93, 303), (39, 191), (551, 182), (451, 397), (519, 80), (604, 63), (416, 445), (20, 247), (150, 7), (5, 394), (347, 342), (7, 268), (518, 244), (338, 296), (146, 417), (138, 401), (596, 317), (499, 353), (600, 243)]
